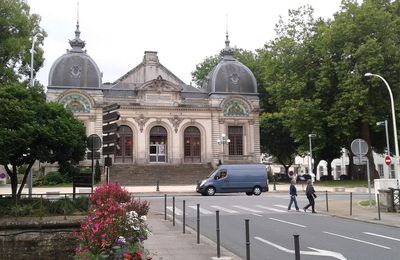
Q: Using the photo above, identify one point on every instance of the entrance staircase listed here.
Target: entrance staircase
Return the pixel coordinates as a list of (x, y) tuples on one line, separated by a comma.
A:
[(147, 175)]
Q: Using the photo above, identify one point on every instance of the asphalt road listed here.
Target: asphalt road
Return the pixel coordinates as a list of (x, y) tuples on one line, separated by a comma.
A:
[(272, 228)]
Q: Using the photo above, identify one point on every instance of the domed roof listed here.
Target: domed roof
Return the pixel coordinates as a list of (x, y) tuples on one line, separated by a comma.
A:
[(230, 75), (75, 68)]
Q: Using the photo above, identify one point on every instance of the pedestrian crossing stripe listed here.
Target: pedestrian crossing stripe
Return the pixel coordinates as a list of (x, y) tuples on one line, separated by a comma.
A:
[(179, 212)]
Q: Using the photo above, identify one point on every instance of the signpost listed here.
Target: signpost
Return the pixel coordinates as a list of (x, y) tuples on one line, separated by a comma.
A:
[(110, 134), (359, 147), (94, 144)]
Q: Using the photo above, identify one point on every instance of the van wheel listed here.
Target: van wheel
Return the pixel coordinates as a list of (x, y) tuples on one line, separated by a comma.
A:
[(210, 191), (249, 193), (257, 190)]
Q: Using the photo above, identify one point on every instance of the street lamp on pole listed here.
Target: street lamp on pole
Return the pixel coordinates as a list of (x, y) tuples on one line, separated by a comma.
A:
[(34, 38), (310, 164), (224, 140), (396, 144)]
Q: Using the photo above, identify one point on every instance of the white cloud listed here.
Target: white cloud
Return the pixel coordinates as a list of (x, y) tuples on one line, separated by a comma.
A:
[(183, 32)]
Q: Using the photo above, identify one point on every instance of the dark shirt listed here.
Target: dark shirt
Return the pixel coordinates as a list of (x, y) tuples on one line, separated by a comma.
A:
[(309, 190), (293, 190)]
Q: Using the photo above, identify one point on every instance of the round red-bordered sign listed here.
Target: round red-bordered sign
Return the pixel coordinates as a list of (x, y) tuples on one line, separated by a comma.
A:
[(388, 160)]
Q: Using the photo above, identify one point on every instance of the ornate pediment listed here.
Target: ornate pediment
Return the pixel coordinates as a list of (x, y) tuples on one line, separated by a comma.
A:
[(159, 85), (236, 108)]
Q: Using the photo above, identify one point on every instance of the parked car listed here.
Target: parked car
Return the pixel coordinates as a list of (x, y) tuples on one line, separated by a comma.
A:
[(248, 178), (303, 177)]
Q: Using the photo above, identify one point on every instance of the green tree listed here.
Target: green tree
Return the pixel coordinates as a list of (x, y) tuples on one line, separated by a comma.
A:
[(276, 140), (17, 27), (32, 129)]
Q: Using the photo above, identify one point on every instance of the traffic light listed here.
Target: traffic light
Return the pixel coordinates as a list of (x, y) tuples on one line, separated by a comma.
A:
[(110, 129)]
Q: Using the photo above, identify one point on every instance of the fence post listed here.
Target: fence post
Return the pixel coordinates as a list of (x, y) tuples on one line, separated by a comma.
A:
[(326, 197), (198, 223), (65, 211), (246, 221), (173, 211), (351, 203), (296, 247), (379, 206), (184, 218), (165, 206), (218, 238)]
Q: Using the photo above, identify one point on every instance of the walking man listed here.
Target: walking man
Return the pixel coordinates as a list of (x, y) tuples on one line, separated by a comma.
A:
[(293, 195), (310, 193)]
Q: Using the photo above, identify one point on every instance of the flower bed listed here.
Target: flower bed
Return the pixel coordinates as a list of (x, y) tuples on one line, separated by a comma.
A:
[(115, 227)]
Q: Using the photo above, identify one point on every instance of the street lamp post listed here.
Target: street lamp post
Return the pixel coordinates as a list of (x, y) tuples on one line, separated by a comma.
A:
[(396, 144), (310, 164), (34, 38), (224, 140)]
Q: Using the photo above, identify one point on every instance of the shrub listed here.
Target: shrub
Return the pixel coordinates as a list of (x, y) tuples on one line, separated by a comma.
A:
[(81, 203), (113, 230), (52, 178), (62, 206)]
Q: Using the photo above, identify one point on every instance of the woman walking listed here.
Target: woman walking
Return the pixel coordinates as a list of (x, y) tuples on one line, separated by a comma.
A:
[(293, 195), (310, 193)]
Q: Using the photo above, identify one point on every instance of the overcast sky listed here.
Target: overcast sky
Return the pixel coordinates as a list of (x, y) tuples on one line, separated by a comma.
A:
[(183, 32)]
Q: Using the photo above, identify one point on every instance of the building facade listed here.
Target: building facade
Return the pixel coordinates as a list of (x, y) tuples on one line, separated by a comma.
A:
[(163, 120)]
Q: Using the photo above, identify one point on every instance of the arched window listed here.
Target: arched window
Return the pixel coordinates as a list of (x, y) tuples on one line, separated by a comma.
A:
[(158, 144), (125, 142), (192, 145)]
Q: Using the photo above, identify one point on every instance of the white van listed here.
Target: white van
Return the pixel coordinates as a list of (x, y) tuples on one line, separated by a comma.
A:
[(248, 178)]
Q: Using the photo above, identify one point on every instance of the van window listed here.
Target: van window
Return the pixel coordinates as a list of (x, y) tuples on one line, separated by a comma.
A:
[(220, 175)]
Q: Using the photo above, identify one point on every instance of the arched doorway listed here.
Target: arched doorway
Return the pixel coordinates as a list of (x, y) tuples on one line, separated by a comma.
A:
[(192, 145), (125, 142), (158, 144)]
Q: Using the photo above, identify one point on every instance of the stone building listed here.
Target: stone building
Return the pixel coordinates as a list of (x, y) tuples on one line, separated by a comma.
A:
[(164, 121)]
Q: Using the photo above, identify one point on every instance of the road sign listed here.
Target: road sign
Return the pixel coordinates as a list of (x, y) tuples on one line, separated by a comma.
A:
[(110, 149), (359, 147), (110, 117), (111, 107), (360, 160), (110, 139), (93, 142), (388, 160), (95, 157), (110, 128)]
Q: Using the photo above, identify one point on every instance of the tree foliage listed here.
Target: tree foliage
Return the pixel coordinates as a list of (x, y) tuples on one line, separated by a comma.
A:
[(32, 129), (17, 27)]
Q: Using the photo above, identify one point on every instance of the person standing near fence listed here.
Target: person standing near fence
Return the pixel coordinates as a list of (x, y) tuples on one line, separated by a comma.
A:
[(293, 195), (310, 193)]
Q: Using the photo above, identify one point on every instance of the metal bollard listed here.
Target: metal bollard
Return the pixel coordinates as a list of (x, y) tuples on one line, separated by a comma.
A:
[(158, 186), (65, 212), (326, 197), (184, 218), (165, 206), (198, 223), (379, 206), (173, 211), (246, 221), (218, 238), (296, 247), (351, 203)]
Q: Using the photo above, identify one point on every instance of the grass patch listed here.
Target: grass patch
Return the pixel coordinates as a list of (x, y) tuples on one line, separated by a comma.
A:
[(343, 183), (365, 203)]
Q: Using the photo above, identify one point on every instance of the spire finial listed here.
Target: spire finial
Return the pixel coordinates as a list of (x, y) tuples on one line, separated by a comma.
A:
[(77, 44), (227, 52)]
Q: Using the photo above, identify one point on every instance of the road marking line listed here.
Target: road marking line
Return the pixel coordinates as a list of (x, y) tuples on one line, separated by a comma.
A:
[(225, 209), (272, 209), (258, 215), (358, 240), (317, 252), (377, 235), (203, 211), (248, 209), (177, 211), (287, 222)]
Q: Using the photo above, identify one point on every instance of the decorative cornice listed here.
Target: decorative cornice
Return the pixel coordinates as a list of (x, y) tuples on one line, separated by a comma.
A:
[(141, 120), (176, 121), (221, 120)]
